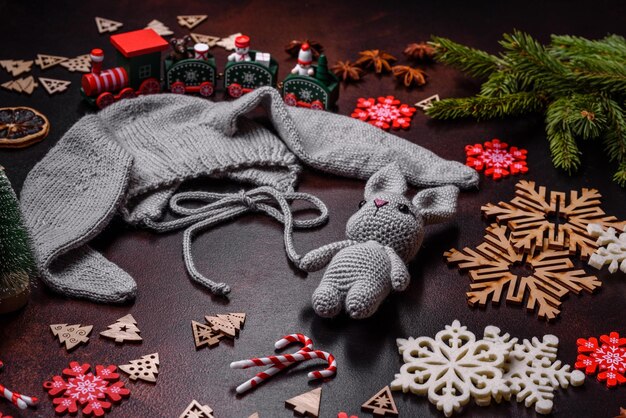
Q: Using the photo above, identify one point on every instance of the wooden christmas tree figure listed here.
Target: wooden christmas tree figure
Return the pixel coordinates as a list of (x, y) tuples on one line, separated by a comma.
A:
[(204, 335), (71, 335), (146, 368), (381, 404), (16, 259), (124, 329), (307, 404), (195, 410), (229, 324)]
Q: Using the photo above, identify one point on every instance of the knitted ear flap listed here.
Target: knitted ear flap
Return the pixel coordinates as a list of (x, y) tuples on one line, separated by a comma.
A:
[(388, 179), (437, 204)]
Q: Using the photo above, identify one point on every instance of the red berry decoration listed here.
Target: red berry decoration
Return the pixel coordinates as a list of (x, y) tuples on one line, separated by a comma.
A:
[(91, 392), (609, 358), (497, 161), (384, 112)]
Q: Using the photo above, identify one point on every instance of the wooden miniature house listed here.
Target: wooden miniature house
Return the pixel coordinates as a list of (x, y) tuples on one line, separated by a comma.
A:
[(139, 52)]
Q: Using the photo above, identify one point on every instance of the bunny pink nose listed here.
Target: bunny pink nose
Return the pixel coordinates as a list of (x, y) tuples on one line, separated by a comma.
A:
[(380, 203)]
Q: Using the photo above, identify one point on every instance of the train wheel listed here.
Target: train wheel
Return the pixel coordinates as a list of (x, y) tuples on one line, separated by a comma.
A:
[(127, 93), (178, 87), (150, 86), (104, 100), (291, 99), (317, 105), (235, 90), (206, 89)]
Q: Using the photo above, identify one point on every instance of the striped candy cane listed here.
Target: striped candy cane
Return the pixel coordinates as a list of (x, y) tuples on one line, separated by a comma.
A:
[(19, 400), (282, 361)]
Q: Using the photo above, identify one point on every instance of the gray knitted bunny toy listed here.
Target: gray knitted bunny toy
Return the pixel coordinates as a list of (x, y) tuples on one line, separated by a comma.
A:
[(383, 236)]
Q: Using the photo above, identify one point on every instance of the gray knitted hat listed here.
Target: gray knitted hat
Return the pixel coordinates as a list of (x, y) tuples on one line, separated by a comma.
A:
[(130, 158)]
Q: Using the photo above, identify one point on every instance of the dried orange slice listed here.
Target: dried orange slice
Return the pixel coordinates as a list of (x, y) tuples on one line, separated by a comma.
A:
[(22, 126)]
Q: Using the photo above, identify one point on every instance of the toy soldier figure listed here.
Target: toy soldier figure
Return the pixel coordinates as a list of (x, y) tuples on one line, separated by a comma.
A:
[(305, 59), (242, 46)]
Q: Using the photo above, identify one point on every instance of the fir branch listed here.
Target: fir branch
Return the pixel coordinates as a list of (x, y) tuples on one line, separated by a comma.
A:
[(620, 175), (481, 107), (502, 83), (472, 61), (565, 153), (615, 134), (565, 46)]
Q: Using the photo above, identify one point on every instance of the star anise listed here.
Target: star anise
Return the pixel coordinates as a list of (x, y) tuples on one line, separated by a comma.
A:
[(293, 47), (409, 75), (379, 60), (419, 51), (347, 71)]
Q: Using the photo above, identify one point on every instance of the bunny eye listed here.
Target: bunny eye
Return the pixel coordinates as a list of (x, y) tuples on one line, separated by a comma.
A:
[(362, 203), (404, 208)]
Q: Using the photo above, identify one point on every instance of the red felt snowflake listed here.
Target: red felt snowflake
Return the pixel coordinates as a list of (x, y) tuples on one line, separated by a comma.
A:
[(494, 157), (82, 388), (384, 112), (609, 357)]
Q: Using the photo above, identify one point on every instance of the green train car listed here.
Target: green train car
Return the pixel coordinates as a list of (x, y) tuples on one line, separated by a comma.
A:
[(242, 77), (190, 75), (319, 91)]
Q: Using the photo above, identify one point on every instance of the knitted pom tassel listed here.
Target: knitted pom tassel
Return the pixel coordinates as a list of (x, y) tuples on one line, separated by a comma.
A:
[(16, 259)]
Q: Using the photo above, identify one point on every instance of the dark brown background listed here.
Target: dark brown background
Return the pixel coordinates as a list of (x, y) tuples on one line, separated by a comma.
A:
[(248, 253)]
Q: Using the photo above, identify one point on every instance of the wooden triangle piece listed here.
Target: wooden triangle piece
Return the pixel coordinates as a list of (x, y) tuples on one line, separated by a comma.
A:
[(146, 368), (195, 410), (81, 63), (427, 102), (307, 404), (46, 61), (53, 86), (106, 25), (159, 28), (22, 85), (381, 404), (16, 67), (204, 335), (190, 21), (12, 85), (205, 39)]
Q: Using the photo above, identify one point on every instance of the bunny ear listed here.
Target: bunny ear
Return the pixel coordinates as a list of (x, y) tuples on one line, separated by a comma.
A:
[(437, 204), (388, 179)]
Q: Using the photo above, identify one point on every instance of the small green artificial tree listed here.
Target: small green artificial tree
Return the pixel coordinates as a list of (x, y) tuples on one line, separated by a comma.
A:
[(578, 84), (16, 259)]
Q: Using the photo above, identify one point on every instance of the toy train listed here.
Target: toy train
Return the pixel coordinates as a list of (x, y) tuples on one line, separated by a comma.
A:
[(194, 70)]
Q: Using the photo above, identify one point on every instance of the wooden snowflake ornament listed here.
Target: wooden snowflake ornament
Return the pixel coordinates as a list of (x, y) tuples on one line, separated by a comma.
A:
[(146, 368), (83, 389), (381, 404), (196, 410), (561, 218), (611, 248), (532, 371), (539, 279), (71, 335), (124, 329), (452, 368), (608, 358), (496, 159), (384, 112)]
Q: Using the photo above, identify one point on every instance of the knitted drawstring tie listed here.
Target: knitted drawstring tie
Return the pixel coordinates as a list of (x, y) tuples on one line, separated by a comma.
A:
[(219, 207)]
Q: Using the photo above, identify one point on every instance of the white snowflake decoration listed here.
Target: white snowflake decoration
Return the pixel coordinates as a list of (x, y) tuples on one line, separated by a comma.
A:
[(191, 76), (249, 78), (532, 371), (452, 368), (306, 95), (612, 248)]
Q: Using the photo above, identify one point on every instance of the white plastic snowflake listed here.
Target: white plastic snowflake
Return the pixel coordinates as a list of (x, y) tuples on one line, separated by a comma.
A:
[(249, 78), (305, 95), (612, 248), (191, 76), (452, 368), (532, 371)]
